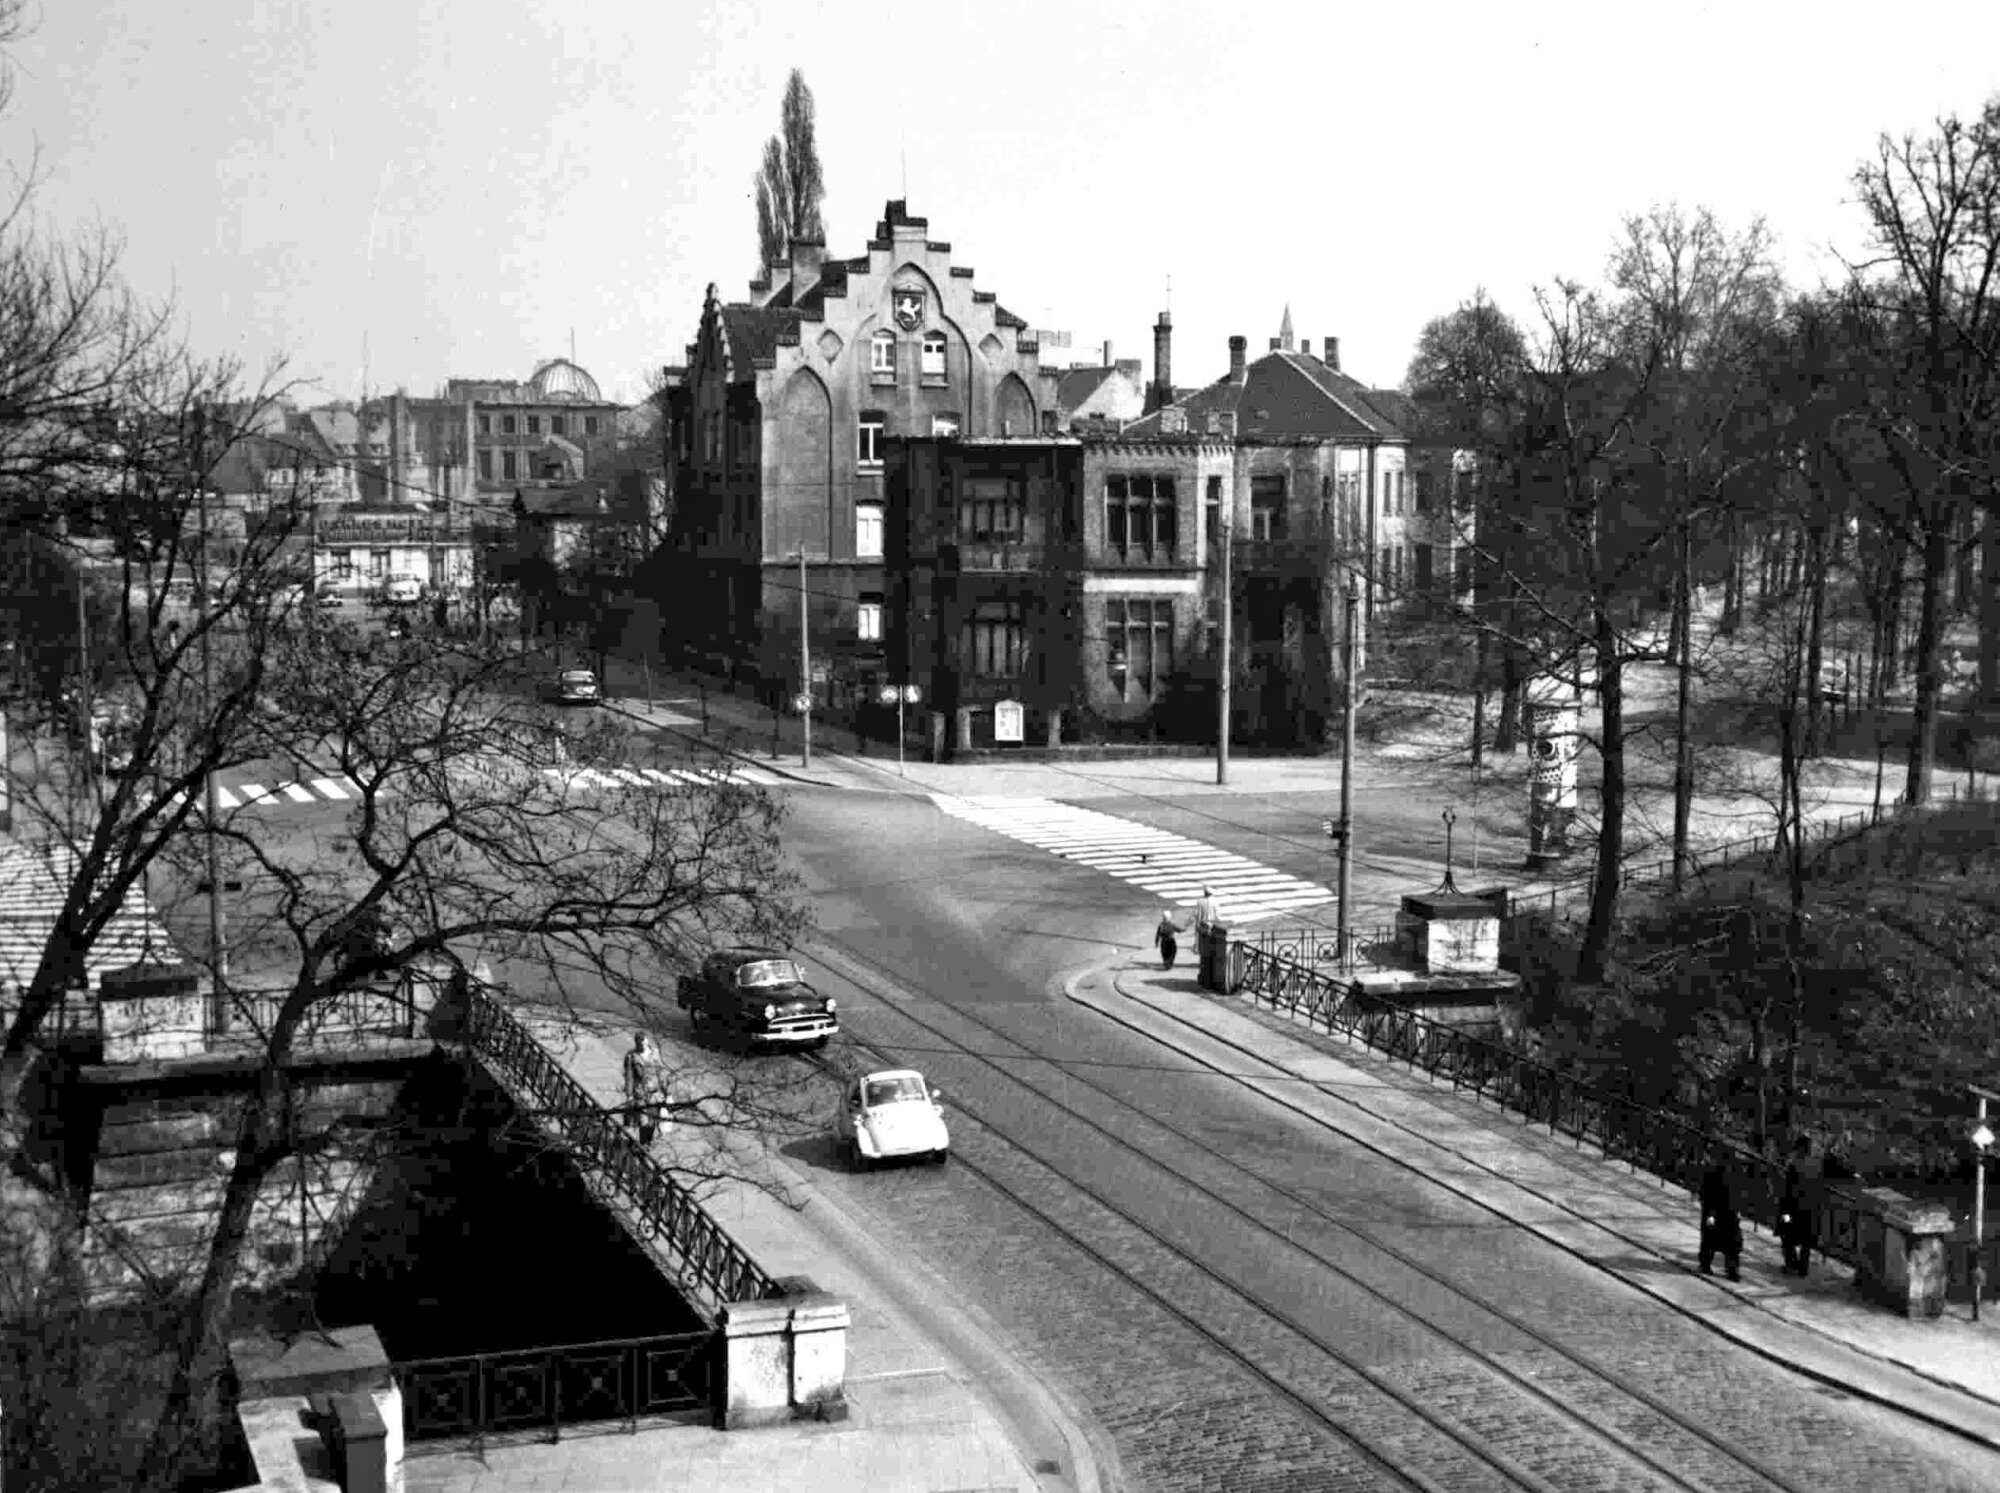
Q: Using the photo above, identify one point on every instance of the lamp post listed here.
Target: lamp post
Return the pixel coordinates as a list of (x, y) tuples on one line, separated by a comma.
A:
[(1982, 1139), (899, 696)]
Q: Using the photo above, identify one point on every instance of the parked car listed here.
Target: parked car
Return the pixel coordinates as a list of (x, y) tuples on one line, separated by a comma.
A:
[(890, 1114), (575, 687), (330, 599), (757, 996)]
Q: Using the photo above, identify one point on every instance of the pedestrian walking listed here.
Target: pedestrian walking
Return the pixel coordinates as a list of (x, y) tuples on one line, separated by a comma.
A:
[(1721, 1228), (1206, 912), (645, 1085), (1795, 1210), (1164, 937)]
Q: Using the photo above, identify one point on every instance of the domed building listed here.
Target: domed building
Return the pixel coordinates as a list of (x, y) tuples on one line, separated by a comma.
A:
[(537, 432)]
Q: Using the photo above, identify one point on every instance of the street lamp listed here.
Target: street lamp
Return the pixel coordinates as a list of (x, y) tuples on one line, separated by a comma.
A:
[(899, 696), (1982, 1139)]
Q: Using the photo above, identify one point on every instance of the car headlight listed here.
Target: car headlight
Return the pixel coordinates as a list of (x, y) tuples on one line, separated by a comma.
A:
[(770, 1013), (829, 1005)]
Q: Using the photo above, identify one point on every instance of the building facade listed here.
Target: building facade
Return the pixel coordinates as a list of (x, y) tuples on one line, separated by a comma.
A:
[(778, 431), (1080, 578)]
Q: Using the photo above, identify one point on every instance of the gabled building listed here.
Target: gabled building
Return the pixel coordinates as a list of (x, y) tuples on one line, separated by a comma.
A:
[(778, 427)]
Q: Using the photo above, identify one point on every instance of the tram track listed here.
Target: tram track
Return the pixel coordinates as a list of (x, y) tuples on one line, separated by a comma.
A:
[(1588, 1417)]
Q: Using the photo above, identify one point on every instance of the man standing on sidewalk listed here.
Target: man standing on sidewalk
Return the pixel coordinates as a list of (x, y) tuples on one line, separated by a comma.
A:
[(1795, 1211), (1206, 913), (645, 1086)]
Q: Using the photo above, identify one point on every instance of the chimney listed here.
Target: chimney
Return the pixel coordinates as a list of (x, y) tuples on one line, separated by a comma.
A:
[(1332, 359), (1108, 361), (1161, 394), (806, 255), (1276, 343), (1237, 345)]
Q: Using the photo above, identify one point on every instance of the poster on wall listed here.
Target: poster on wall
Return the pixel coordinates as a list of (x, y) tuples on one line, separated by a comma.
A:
[(1007, 721)]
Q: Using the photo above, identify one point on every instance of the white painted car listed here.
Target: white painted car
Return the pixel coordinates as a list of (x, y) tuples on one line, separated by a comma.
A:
[(890, 1114)]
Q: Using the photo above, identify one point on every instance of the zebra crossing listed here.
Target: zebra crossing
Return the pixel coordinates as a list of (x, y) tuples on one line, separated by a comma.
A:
[(1172, 867), (335, 788)]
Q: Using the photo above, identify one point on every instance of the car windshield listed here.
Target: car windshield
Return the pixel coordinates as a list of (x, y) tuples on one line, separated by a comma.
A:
[(769, 972), (898, 1090), (579, 676)]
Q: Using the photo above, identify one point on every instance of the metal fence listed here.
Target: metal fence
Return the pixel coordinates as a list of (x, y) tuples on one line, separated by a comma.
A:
[(1317, 946), (712, 1265), (621, 1379), (1624, 1129)]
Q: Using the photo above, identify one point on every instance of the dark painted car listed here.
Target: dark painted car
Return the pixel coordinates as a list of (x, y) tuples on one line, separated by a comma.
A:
[(757, 996)]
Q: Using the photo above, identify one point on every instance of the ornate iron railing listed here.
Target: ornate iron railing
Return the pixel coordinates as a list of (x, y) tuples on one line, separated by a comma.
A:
[(1317, 946), (712, 1265), (620, 1379), (1653, 1140)]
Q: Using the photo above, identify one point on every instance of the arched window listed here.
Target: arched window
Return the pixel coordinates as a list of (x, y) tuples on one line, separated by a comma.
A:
[(882, 354), (933, 358)]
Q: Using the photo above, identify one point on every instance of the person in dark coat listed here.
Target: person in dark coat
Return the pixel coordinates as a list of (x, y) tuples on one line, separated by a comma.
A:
[(1795, 1209), (1164, 937), (1721, 1228)]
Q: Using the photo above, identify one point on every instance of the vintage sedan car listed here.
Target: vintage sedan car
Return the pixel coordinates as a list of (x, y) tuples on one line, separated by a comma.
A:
[(890, 1114), (575, 687), (757, 996)]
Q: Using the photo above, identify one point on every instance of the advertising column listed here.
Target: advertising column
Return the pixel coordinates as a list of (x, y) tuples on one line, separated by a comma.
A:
[(1553, 723)]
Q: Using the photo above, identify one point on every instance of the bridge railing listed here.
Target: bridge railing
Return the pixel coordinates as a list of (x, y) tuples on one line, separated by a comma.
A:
[(711, 1263), (545, 1389), (1650, 1139)]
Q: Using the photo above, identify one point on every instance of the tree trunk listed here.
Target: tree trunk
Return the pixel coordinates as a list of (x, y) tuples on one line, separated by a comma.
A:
[(1479, 701), (1507, 729), (201, 1343), (1732, 578), (1683, 700), (1815, 634), (1611, 797), (1989, 606), (1930, 641)]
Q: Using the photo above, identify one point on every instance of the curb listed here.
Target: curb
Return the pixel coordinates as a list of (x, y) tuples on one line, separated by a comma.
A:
[(1071, 987), (749, 759)]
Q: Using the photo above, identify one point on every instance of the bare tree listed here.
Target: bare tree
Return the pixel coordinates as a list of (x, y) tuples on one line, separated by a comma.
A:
[(1696, 305), (790, 184), (1933, 204)]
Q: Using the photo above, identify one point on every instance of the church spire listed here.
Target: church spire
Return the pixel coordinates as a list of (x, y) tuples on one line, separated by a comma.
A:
[(1285, 329)]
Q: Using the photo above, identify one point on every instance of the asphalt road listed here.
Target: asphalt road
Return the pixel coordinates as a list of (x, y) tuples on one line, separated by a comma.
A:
[(1242, 1299)]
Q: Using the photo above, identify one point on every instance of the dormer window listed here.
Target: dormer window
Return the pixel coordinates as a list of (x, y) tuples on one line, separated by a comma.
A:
[(933, 355), (882, 355)]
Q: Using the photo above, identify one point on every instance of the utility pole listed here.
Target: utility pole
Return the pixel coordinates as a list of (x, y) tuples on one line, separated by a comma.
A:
[(1222, 692), (93, 750), (218, 999), (805, 668), (1347, 693)]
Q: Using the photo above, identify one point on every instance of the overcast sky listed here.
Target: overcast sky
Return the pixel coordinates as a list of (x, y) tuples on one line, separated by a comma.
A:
[(469, 182)]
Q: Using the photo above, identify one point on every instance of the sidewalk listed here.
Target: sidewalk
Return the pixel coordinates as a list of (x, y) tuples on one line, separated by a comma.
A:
[(934, 1400), (1631, 1225)]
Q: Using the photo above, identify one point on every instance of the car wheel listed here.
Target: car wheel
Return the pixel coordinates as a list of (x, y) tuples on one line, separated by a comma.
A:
[(939, 1158), (862, 1161), (818, 1044)]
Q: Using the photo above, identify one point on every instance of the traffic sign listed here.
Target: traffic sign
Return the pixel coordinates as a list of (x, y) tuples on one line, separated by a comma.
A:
[(802, 703)]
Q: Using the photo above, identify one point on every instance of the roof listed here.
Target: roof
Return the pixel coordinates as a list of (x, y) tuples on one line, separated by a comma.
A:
[(1078, 384), (753, 333), (559, 378), (1285, 396), (33, 882), (584, 500), (1002, 317)]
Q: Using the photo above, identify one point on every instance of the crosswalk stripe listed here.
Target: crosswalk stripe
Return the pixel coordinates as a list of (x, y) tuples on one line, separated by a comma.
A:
[(296, 794), (1153, 860), (626, 776), (330, 788), (253, 793), (227, 799), (664, 780)]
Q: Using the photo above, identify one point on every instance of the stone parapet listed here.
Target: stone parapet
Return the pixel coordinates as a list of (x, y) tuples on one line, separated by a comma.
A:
[(1901, 1244)]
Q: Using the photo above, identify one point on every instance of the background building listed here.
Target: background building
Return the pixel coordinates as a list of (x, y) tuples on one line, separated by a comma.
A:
[(777, 435)]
